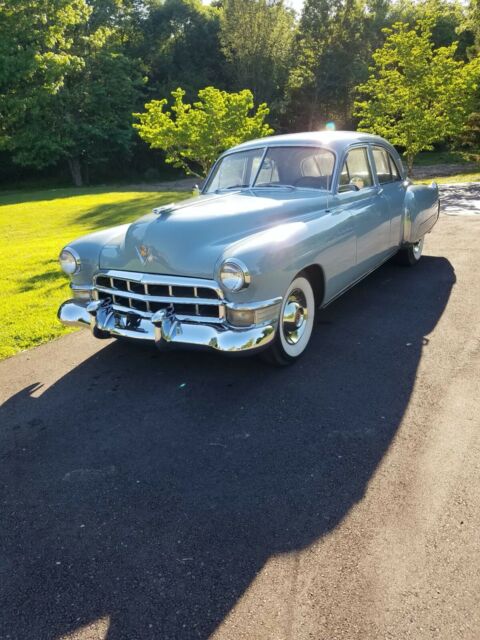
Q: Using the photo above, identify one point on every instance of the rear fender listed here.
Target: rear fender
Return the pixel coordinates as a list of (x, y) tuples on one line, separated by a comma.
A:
[(422, 208)]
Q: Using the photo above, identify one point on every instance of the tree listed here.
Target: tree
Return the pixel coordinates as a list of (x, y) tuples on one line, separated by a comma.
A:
[(70, 93), (192, 136), (181, 47), (416, 95), (256, 38), (334, 42), (448, 21), (36, 51)]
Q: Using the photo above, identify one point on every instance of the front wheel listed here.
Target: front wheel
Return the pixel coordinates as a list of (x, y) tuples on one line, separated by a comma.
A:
[(411, 255), (295, 324)]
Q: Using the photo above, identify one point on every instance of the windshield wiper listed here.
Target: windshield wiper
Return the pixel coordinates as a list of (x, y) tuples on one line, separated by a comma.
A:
[(233, 186), (273, 185)]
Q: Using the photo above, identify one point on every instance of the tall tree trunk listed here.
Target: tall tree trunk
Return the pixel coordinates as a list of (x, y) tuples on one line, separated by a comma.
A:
[(75, 171), (410, 160)]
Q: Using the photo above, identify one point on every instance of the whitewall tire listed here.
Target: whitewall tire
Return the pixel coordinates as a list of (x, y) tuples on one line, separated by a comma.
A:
[(295, 325), (410, 256)]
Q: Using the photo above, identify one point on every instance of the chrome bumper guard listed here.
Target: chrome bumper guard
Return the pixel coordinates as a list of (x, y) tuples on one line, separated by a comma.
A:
[(164, 328)]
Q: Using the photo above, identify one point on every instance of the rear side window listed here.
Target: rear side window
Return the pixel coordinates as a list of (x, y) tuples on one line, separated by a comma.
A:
[(356, 169), (385, 165)]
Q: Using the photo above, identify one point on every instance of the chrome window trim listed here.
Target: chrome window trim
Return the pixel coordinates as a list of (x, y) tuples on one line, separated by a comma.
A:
[(390, 158), (356, 145)]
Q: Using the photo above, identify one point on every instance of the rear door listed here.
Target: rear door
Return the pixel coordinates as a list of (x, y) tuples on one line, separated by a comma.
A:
[(358, 194), (391, 190)]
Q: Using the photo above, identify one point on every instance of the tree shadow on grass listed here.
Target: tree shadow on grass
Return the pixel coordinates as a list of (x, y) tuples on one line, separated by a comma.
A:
[(44, 279), (151, 488), (24, 197), (106, 215)]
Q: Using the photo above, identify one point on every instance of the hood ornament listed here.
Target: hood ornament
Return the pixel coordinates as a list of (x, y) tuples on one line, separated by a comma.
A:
[(144, 253), (166, 208)]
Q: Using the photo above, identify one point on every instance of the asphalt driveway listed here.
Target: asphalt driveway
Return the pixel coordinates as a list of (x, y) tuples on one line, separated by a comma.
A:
[(460, 199), (185, 495)]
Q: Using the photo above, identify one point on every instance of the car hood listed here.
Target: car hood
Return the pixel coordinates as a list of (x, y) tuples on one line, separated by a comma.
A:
[(189, 238)]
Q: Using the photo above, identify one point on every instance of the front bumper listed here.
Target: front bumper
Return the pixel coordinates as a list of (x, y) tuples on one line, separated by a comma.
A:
[(164, 329)]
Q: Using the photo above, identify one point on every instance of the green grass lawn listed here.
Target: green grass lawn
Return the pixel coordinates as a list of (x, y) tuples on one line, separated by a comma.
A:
[(459, 177), (34, 226), (427, 158)]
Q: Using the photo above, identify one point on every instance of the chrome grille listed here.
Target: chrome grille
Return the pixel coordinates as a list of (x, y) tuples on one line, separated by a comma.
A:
[(192, 299)]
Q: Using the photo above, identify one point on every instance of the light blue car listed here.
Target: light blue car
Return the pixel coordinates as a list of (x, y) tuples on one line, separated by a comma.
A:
[(282, 226)]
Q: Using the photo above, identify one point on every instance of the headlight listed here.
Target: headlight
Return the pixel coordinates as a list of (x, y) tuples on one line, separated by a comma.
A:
[(234, 275), (69, 261)]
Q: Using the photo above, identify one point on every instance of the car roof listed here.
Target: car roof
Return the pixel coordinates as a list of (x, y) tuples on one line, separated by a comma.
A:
[(335, 140)]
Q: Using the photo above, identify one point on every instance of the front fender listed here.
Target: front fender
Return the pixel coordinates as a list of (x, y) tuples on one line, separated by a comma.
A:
[(422, 208), (89, 248), (270, 255)]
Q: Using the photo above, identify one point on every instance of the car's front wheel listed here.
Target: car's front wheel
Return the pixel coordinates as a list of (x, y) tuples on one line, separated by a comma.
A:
[(295, 323)]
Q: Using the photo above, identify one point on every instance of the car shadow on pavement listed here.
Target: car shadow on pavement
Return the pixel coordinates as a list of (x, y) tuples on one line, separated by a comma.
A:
[(152, 488)]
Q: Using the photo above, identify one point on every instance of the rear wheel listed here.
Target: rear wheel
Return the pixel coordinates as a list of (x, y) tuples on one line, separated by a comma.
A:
[(411, 255), (295, 324)]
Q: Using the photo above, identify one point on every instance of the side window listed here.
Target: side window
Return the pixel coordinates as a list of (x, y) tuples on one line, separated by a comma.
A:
[(394, 169), (385, 165), (356, 170)]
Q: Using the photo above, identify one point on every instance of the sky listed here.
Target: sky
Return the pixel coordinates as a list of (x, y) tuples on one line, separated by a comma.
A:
[(296, 4)]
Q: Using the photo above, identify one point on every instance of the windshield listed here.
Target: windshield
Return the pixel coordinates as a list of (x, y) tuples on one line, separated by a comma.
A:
[(297, 167)]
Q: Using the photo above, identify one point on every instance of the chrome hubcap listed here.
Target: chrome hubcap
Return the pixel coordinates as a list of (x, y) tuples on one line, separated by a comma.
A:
[(417, 249), (294, 318)]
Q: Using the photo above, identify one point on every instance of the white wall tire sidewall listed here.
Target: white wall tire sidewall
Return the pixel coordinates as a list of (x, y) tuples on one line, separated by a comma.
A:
[(295, 350), (417, 254)]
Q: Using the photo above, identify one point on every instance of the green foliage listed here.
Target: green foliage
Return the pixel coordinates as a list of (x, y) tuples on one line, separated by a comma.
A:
[(181, 46), (333, 46), (416, 95), (34, 226), (448, 21), (256, 38), (193, 135), (73, 71), (70, 94)]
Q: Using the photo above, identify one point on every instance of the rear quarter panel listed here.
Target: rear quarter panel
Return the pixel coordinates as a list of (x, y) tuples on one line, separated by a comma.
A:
[(422, 208)]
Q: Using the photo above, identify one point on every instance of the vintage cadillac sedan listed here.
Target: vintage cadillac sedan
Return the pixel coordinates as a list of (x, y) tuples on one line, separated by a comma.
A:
[(282, 226)]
